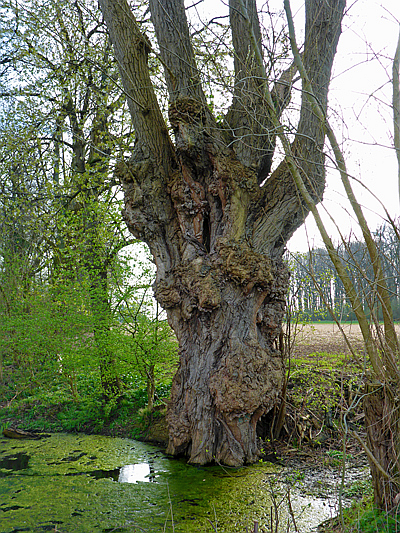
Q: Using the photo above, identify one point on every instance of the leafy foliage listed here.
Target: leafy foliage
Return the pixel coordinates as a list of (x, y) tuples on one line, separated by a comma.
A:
[(63, 278), (50, 357)]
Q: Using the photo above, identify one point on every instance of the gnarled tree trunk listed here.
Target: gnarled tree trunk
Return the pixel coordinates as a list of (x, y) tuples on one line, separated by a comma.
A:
[(231, 371), (216, 236)]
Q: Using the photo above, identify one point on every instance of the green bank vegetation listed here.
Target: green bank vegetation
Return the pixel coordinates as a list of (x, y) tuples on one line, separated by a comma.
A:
[(80, 338), (52, 377)]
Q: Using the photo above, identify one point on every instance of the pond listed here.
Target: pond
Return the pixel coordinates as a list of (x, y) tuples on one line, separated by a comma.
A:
[(90, 484)]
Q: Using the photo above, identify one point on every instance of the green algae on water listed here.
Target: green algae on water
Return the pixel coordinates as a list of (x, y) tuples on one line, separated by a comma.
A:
[(59, 490)]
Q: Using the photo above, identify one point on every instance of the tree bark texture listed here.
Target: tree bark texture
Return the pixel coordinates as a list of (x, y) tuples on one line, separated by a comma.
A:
[(216, 236), (382, 422)]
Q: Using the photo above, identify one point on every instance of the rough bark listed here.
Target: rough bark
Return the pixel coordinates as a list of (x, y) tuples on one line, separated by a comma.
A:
[(250, 130), (216, 237), (230, 371), (382, 422)]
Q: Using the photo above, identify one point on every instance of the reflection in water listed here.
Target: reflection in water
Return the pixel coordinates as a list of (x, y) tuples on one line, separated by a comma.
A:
[(98, 474), (134, 473), (17, 461), (125, 474)]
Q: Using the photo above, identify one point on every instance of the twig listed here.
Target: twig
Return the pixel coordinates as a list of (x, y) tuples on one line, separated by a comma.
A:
[(396, 105), (170, 508), (212, 525), (291, 510)]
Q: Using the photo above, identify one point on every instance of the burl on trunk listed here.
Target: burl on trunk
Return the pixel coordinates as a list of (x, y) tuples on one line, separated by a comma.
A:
[(216, 235)]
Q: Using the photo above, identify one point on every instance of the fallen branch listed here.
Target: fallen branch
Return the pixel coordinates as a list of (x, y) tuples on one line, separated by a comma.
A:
[(13, 433)]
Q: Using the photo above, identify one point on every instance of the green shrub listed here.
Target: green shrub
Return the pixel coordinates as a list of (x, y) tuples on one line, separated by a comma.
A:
[(374, 521)]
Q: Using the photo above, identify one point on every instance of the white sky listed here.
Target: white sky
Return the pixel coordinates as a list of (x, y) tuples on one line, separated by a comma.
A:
[(359, 99)]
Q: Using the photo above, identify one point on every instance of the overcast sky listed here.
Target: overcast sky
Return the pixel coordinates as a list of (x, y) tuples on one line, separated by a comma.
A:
[(360, 109), (361, 114)]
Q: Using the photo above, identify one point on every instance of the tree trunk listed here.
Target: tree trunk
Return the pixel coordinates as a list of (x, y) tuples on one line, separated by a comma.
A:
[(382, 422), (217, 238), (151, 387), (96, 269), (230, 372), (94, 251)]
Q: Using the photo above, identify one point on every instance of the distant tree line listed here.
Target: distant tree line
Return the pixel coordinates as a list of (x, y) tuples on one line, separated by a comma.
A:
[(316, 288)]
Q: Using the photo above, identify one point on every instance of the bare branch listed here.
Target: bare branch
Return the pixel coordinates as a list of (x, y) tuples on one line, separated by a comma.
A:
[(320, 113), (396, 105), (176, 51), (322, 34), (248, 120), (131, 49), (282, 89)]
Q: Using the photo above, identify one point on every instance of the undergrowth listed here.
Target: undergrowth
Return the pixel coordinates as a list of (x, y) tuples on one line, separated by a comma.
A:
[(57, 412), (362, 517), (321, 388)]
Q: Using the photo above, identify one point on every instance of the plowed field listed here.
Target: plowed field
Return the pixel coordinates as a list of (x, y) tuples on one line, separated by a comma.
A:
[(319, 337)]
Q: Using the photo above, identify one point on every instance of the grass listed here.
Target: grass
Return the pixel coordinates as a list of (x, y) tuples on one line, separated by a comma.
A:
[(362, 517), (373, 521)]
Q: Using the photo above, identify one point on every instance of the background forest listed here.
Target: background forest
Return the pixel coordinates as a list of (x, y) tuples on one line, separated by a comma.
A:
[(78, 326), (317, 292)]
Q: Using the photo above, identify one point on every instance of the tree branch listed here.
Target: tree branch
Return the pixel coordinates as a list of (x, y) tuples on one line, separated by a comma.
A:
[(176, 51), (379, 278), (396, 105), (249, 125), (282, 89), (131, 50), (323, 27)]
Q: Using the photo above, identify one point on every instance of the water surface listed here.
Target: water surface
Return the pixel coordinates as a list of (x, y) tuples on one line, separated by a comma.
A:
[(90, 484)]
